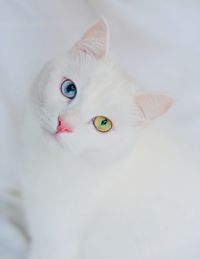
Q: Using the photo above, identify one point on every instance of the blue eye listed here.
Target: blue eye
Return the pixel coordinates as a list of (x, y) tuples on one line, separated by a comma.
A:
[(68, 89)]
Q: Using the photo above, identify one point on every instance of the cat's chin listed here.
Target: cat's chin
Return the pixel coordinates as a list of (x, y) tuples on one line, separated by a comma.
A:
[(102, 159), (53, 138), (90, 157)]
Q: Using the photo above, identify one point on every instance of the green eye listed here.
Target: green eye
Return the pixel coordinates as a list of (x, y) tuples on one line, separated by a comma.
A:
[(102, 123)]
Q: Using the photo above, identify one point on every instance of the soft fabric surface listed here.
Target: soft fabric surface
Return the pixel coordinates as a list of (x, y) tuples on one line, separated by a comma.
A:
[(156, 42)]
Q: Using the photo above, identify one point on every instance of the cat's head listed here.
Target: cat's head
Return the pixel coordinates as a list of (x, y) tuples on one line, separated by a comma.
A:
[(86, 103)]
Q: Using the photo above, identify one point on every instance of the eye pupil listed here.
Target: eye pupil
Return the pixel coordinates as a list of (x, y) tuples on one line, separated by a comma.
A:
[(104, 122), (70, 88)]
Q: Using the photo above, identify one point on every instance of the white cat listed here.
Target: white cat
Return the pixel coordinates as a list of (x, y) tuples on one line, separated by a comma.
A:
[(98, 181)]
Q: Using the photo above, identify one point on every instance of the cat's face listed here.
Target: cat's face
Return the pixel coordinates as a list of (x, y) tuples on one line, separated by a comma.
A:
[(85, 103)]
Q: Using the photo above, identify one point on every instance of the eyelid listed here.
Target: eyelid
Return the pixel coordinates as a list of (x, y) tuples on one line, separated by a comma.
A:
[(104, 132), (63, 80)]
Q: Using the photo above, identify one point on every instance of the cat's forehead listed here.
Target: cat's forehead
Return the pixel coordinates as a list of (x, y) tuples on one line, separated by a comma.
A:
[(96, 79), (87, 69), (101, 86), (107, 93)]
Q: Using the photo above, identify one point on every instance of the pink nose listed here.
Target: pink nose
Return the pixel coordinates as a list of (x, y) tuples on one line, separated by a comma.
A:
[(63, 126)]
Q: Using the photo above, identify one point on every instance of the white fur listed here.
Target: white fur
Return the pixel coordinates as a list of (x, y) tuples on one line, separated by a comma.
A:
[(128, 193)]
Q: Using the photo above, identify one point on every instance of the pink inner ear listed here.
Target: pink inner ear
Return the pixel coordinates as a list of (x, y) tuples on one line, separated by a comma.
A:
[(95, 40), (153, 105)]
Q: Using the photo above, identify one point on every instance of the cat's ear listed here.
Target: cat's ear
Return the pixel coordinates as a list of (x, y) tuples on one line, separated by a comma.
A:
[(151, 105), (95, 40)]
